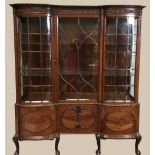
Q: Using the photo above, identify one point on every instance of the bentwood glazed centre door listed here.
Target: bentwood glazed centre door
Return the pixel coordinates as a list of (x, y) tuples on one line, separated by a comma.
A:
[(78, 60)]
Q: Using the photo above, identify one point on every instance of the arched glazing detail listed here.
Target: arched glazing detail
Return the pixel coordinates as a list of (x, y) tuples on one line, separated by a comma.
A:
[(78, 58)]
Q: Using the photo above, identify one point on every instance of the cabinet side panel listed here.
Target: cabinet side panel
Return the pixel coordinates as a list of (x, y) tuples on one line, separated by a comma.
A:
[(16, 49)]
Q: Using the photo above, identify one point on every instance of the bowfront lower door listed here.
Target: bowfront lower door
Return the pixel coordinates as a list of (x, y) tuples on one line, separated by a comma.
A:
[(78, 58)]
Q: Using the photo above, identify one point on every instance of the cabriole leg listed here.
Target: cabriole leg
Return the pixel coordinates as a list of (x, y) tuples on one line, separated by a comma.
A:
[(98, 151), (57, 152), (138, 139), (15, 140)]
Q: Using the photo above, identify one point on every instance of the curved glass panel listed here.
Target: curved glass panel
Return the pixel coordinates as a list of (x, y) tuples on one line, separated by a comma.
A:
[(35, 58), (120, 57)]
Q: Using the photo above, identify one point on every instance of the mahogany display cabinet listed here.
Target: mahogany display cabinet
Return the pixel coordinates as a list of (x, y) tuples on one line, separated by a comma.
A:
[(77, 72)]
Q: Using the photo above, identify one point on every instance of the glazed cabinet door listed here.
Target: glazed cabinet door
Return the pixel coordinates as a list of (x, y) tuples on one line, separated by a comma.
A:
[(34, 41), (120, 37), (78, 74), (78, 51)]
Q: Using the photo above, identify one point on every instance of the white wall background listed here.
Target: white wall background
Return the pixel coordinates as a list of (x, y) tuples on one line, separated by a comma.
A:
[(78, 144)]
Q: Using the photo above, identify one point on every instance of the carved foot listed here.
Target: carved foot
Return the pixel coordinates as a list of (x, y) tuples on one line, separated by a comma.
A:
[(15, 140), (138, 139), (57, 152), (98, 151)]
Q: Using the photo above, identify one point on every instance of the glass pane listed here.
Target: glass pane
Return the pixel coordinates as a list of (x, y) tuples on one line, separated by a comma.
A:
[(132, 43), (35, 80), (119, 72), (120, 58), (22, 25), (132, 40), (124, 93), (24, 38), (34, 47), (132, 21), (34, 24), (34, 39), (110, 40), (122, 48), (24, 47), (25, 60), (78, 58), (109, 60), (46, 60), (109, 80), (122, 39), (125, 72), (110, 25), (122, 27), (45, 24), (35, 59), (133, 48), (109, 93), (45, 39), (132, 80), (131, 91), (45, 47), (120, 93), (131, 59), (26, 80), (110, 43), (121, 80), (122, 43)]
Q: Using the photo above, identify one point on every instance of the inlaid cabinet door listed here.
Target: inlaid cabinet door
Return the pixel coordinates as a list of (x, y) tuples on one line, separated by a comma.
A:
[(119, 119), (77, 118), (36, 120)]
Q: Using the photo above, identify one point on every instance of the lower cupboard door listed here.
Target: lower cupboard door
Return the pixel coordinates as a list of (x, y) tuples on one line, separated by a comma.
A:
[(119, 119), (76, 118), (35, 120)]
